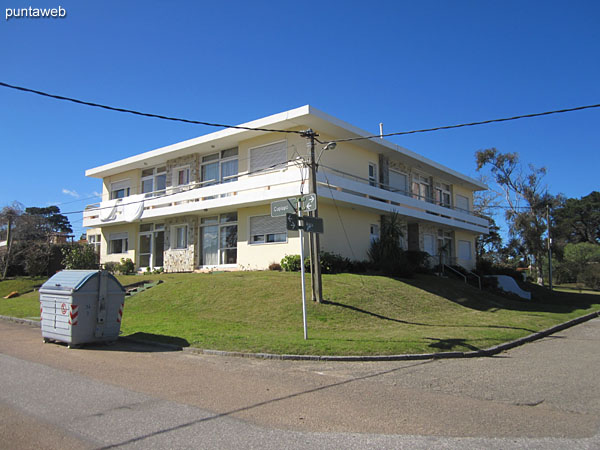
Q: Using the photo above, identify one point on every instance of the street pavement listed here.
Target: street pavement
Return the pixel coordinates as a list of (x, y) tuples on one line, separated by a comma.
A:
[(545, 394)]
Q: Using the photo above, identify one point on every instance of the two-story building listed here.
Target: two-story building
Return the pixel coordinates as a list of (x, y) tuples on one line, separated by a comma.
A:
[(205, 203)]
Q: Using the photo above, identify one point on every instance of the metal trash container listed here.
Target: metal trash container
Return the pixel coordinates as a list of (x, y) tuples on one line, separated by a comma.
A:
[(81, 306)]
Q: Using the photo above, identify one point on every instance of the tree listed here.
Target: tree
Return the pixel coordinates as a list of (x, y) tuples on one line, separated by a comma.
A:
[(52, 220), (80, 256), (578, 220), (526, 200), (487, 246), (8, 217)]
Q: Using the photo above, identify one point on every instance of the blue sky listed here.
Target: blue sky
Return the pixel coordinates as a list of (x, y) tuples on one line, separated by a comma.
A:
[(410, 65)]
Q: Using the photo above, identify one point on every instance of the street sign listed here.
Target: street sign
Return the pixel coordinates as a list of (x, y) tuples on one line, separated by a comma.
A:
[(312, 224), (309, 202), (291, 222), (290, 205), (283, 207)]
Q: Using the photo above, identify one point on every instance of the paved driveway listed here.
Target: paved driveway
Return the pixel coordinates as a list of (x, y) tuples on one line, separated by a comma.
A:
[(545, 394)]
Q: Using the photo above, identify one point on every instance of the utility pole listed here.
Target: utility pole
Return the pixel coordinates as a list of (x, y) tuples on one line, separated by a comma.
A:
[(549, 246), (317, 284)]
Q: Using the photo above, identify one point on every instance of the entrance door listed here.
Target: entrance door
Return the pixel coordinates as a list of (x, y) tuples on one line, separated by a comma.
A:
[(158, 248)]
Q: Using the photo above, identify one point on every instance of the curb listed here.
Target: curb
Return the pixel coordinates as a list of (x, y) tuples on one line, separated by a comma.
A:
[(406, 357)]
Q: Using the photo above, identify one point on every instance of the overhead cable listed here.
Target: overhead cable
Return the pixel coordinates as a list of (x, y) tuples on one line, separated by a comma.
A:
[(139, 113)]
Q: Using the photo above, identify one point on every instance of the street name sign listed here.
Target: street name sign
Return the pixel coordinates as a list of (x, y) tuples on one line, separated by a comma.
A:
[(290, 205)]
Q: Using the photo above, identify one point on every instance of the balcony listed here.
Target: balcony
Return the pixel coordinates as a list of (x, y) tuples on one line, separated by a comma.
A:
[(245, 190), (248, 190), (348, 188)]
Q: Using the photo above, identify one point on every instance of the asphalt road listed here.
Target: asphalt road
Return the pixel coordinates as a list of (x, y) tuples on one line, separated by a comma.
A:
[(542, 395)]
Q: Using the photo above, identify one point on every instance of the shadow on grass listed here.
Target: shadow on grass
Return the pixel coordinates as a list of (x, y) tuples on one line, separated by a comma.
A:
[(543, 299), (420, 324)]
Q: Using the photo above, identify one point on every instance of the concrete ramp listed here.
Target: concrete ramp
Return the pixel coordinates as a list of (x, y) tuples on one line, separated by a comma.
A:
[(508, 284)]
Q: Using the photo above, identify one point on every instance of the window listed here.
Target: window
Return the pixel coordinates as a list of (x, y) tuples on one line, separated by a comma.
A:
[(118, 243), (428, 244), (95, 240), (464, 250), (442, 194), (420, 187), (120, 189), (374, 232), (268, 156), (219, 167), (182, 176), (154, 181), (180, 236), (218, 239), (462, 203), (267, 230), (373, 174), (398, 182)]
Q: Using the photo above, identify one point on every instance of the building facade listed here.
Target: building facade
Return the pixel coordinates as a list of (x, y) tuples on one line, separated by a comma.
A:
[(205, 203)]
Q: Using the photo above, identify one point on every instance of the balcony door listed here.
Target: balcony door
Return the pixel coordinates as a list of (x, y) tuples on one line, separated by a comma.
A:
[(152, 246)]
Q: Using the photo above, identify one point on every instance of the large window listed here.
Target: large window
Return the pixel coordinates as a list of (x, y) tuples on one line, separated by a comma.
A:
[(267, 230), (442, 194), (180, 236), (120, 189), (96, 241), (154, 181), (373, 174), (218, 240), (118, 243), (420, 187), (268, 156), (219, 167)]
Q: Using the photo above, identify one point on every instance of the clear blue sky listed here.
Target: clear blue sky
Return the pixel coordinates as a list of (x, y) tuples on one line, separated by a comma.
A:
[(407, 64)]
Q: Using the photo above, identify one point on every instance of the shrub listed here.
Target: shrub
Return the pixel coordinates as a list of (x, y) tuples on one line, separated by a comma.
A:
[(333, 263), (111, 266), (590, 276), (80, 256), (275, 266), (126, 267), (291, 263)]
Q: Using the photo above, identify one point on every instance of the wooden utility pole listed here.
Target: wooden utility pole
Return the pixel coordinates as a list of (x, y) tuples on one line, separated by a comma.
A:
[(549, 247), (315, 250)]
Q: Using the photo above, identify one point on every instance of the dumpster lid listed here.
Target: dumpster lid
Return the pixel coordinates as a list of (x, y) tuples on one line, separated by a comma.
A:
[(71, 280)]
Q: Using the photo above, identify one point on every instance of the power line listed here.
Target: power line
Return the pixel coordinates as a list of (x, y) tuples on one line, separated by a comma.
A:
[(139, 113), (471, 124)]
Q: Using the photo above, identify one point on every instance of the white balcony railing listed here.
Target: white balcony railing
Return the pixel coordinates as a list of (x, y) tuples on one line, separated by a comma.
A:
[(260, 188)]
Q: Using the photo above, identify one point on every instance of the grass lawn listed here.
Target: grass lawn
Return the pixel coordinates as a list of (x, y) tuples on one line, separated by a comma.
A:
[(363, 315)]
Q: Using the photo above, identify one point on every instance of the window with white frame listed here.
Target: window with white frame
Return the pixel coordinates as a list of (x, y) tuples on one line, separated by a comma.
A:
[(120, 189), (268, 156), (442, 194), (118, 243), (180, 233), (95, 240), (218, 240), (219, 167), (420, 187), (181, 176), (464, 250), (462, 203), (398, 182), (154, 181), (267, 230), (373, 174)]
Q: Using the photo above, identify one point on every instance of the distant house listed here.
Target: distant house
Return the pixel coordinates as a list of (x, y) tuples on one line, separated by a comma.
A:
[(205, 203)]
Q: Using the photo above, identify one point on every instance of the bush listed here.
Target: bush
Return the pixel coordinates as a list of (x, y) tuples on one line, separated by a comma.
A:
[(111, 266), (80, 256), (126, 267), (275, 266), (590, 276), (291, 263), (333, 263)]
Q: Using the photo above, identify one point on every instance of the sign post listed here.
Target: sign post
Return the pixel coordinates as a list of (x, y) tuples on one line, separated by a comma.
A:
[(302, 273)]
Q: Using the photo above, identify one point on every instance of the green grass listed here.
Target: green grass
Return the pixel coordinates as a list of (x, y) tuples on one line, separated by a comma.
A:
[(364, 315)]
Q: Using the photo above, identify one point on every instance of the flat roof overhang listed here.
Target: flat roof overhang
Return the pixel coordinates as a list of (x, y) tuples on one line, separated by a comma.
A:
[(295, 119)]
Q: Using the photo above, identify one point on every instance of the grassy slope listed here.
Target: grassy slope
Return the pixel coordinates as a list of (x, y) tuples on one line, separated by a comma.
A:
[(261, 312)]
